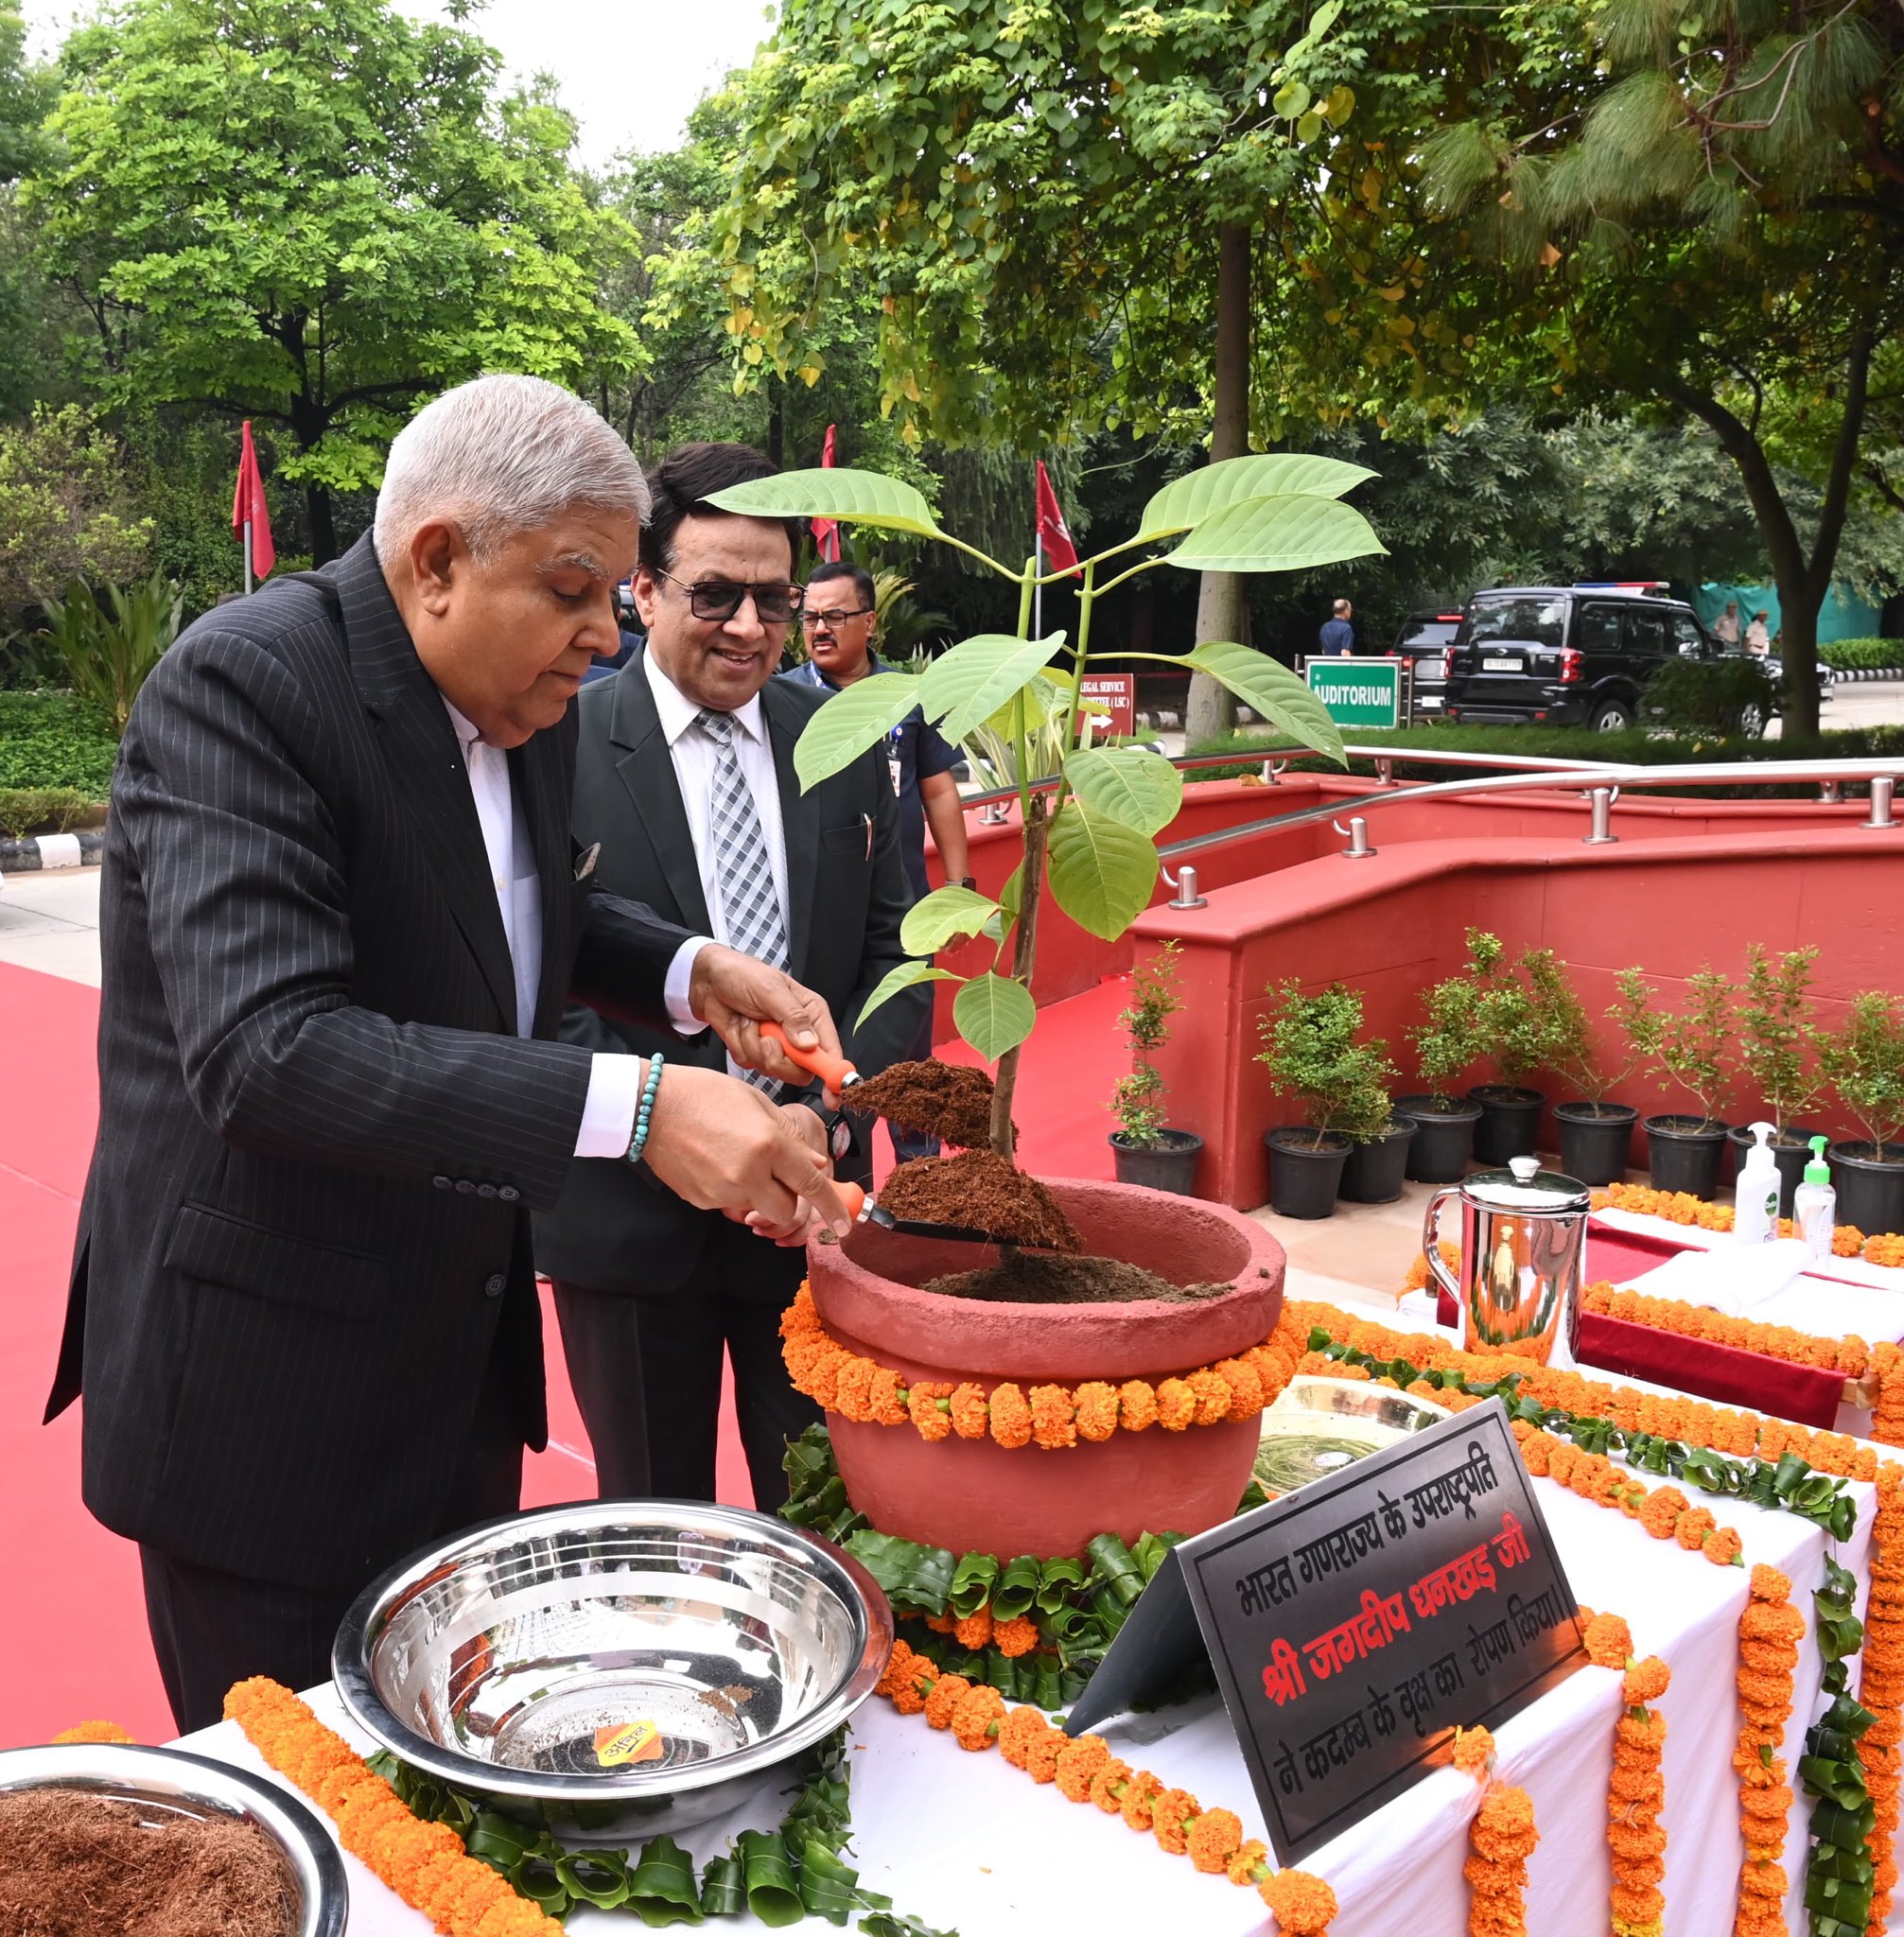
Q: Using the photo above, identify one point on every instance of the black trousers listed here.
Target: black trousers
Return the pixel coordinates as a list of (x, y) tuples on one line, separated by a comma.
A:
[(211, 1628), (646, 1372)]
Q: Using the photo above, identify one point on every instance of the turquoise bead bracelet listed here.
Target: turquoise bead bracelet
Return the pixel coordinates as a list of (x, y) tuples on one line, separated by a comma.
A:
[(644, 1110)]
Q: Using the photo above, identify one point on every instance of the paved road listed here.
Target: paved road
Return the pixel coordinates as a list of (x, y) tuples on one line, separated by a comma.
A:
[(1866, 702)]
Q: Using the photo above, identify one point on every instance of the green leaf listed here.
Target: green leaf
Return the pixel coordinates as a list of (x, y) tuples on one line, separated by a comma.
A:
[(1102, 872), (1290, 99), (946, 912), (913, 1576), (855, 497), (847, 724), (1308, 126), (907, 975), (1017, 1588), (772, 1893), (662, 1888), (1200, 494), (962, 689), (1128, 784), (994, 1014), (1272, 692), (1291, 530), (973, 1582)]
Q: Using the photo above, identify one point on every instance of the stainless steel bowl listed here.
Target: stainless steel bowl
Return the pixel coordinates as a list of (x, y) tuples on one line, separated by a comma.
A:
[(162, 1783), (1396, 1413), (1319, 1426), (520, 1660)]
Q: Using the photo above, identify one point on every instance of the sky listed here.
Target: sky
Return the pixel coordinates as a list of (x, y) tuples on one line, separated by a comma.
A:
[(629, 70)]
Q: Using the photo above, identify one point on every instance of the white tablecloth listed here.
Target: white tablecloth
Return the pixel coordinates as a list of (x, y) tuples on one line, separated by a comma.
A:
[(967, 1842)]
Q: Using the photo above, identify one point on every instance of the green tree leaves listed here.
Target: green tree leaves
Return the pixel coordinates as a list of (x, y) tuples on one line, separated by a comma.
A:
[(962, 689), (1129, 784), (864, 498), (1287, 532), (848, 723), (994, 1014), (1274, 693), (1196, 496), (1102, 871)]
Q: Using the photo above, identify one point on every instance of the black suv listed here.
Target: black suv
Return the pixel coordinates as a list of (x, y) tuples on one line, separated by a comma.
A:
[(1572, 656), (1424, 639)]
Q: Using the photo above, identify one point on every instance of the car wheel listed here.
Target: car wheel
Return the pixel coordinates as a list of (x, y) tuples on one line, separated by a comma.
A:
[(1751, 721), (1612, 716)]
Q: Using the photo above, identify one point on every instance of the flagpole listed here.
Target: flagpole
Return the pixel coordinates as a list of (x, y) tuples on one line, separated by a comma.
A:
[(248, 558), (1037, 590)]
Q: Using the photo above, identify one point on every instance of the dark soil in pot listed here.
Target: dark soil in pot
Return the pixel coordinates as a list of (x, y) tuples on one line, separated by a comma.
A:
[(951, 1101), (1169, 1163), (1444, 1137), (1374, 1171), (1040, 1278), (1306, 1170), (1684, 1153), (1870, 1192), (983, 1191), (1510, 1120), (1791, 1152), (1595, 1140)]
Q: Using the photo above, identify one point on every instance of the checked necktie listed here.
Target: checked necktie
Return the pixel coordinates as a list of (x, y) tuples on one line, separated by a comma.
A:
[(746, 876)]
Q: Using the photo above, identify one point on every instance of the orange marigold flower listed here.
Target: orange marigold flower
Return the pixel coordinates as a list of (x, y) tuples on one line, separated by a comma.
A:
[(1136, 1405), (94, 1732), (1246, 1861), (1139, 1792), (1096, 1410), (907, 1696), (1303, 1906), (823, 1377), (1245, 1387), (1212, 1396), (941, 1624), (1536, 1453), (1010, 1417), (1176, 1405), (1769, 1584), (882, 1398), (1646, 1680), (1213, 1838), (1721, 1546), (1660, 1516), (968, 1411), (898, 1665), (1107, 1784), (1609, 1641), (1053, 1417), (1019, 1730), (1473, 1750), (1015, 1637), (1077, 1764), (977, 1716), (932, 1423), (851, 1396), (1694, 1525), (1041, 1762), (974, 1631), (1170, 1814)]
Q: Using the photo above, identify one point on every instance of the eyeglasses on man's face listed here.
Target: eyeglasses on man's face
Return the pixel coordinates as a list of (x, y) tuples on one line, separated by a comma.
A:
[(721, 599), (833, 620)]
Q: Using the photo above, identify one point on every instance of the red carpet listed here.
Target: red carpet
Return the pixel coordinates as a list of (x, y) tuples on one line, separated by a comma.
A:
[(73, 1642)]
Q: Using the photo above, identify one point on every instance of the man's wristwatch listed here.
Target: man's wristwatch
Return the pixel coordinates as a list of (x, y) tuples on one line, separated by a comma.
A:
[(965, 880), (839, 1131)]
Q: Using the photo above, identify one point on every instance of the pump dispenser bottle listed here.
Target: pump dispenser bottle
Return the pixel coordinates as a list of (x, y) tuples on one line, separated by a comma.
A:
[(1814, 1205), (1756, 1217)]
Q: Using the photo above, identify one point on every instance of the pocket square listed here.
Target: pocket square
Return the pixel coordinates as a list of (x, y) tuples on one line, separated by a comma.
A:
[(586, 867)]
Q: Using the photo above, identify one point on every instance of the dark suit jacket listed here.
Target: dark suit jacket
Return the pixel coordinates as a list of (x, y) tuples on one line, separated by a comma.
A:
[(306, 1222), (612, 1230)]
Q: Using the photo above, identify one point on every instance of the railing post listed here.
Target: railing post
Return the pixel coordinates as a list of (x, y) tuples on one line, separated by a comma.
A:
[(1601, 833), (1828, 795), (1185, 884), (1272, 772), (1882, 787), (1385, 773), (1357, 832)]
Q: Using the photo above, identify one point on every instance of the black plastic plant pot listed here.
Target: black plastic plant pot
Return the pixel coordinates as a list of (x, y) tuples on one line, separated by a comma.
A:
[(1791, 1152), (1306, 1170), (1684, 1153), (1510, 1120), (1869, 1180), (1595, 1140), (1374, 1171), (1167, 1164), (1444, 1137)]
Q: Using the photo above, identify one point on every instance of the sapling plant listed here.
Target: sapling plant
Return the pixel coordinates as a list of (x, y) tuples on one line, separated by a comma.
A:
[(1312, 1049), (1693, 1047), (1570, 1051), (1773, 1037), (1863, 1061)]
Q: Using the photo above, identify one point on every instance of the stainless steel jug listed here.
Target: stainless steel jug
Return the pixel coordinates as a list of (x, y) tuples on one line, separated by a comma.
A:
[(1523, 1233)]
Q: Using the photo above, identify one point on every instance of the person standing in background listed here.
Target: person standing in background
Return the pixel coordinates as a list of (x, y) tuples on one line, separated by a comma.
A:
[(1726, 627), (842, 626), (1338, 635), (1759, 635)]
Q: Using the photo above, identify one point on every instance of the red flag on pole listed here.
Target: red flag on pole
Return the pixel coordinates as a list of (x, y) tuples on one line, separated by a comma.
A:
[(826, 532), (248, 502), (1054, 534)]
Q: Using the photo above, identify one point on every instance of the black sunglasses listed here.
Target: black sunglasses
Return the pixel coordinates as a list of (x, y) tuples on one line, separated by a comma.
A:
[(722, 598), (832, 620)]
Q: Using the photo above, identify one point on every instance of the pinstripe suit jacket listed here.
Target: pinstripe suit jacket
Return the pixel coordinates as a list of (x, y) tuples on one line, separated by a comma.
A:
[(305, 1223)]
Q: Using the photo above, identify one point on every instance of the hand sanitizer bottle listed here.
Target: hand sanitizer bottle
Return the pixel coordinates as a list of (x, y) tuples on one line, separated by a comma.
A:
[(1814, 1207), (1756, 1218)]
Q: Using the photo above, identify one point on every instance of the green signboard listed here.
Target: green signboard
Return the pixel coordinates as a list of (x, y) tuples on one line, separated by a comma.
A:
[(1358, 692)]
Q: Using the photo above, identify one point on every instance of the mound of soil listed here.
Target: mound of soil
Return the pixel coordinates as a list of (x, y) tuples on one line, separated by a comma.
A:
[(77, 1865), (949, 1101), (1037, 1278), (981, 1191)]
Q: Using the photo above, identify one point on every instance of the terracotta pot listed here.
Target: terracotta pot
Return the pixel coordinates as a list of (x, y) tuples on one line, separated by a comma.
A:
[(975, 1496)]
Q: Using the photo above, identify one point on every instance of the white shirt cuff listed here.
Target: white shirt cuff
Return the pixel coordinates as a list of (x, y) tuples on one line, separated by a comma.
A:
[(609, 1110), (674, 991)]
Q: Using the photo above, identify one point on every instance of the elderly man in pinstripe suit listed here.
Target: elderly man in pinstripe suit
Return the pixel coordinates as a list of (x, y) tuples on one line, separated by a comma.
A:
[(341, 913)]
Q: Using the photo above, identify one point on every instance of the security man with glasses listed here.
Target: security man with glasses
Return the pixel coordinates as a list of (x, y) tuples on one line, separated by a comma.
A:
[(685, 777), (841, 624)]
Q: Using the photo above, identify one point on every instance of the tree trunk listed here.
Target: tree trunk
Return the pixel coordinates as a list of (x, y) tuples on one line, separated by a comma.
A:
[(1222, 596), (323, 527)]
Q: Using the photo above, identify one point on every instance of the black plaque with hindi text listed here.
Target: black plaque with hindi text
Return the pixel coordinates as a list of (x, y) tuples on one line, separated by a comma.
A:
[(1355, 1622)]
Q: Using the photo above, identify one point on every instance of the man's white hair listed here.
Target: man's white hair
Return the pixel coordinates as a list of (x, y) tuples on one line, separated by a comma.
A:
[(502, 455)]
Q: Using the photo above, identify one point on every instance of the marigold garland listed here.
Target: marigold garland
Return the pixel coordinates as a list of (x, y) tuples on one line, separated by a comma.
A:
[(1502, 1837), (1680, 1207), (1085, 1771), (1849, 1355), (1051, 1417), (1636, 1789), (425, 1863), (93, 1732)]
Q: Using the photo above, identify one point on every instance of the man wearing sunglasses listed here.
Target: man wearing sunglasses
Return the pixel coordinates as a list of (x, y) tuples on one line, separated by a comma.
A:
[(841, 624), (685, 774)]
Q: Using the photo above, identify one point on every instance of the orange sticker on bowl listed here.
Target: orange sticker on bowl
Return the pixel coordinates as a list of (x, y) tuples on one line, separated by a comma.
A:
[(628, 1741)]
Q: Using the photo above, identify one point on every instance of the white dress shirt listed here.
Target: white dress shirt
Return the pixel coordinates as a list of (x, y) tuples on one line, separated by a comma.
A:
[(614, 1080), (695, 757)]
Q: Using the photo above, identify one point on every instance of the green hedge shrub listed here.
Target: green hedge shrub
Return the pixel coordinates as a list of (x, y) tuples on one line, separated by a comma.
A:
[(55, 740), (1863, 656), (40, 810)]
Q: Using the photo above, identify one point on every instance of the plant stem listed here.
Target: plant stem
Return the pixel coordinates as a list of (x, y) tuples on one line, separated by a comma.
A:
[(1030, 893)]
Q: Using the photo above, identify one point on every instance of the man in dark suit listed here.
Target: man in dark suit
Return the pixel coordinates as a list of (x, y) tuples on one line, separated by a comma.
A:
[(685, 774), (340, 914)]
